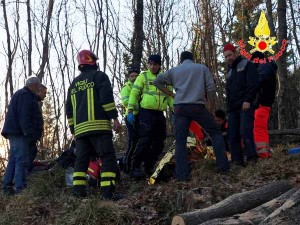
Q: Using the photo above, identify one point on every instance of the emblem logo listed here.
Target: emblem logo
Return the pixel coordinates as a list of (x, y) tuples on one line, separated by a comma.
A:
[(262, 42)]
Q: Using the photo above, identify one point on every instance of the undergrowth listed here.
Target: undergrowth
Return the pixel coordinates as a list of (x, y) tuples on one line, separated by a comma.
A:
[(48, 201)]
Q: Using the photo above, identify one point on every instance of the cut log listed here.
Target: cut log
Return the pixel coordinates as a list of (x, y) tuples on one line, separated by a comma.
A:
[(292, 201), (237, 203), (285, 132), (283, 136), (256, 215)]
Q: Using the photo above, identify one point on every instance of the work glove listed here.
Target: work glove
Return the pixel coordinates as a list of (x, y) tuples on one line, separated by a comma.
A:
[(130, 118)]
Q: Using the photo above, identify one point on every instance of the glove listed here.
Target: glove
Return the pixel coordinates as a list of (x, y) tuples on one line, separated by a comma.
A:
[(130, 118)]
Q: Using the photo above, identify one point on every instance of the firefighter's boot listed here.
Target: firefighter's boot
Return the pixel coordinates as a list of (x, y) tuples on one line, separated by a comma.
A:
[(79, 184)]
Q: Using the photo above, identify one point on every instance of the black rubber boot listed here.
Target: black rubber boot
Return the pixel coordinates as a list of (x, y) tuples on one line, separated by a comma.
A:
[(79, 191), (8, 191), (136, 173), (108, 194)]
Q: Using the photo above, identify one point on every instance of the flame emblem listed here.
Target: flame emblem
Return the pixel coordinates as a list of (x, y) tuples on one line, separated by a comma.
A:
[(262, 41)]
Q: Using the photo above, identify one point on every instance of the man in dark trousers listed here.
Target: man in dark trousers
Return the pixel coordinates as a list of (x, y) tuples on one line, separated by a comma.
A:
[(19, 128), (151, 104), (241, 88), (39, 121), (266, 97), (132, 130), (192, 81), (90, 107)]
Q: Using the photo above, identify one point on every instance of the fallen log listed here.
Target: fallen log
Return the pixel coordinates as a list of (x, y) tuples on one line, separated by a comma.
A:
[(235, 204), (256, 215), (283, 136), (292, 201), (285, 132)]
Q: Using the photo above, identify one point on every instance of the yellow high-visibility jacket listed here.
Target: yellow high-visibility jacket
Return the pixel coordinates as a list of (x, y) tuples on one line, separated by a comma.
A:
[(125, 94), (147, 96)]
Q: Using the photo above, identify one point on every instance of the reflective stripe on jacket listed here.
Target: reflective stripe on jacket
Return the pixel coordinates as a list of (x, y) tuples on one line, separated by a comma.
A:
[(90, 104), (145, 94)]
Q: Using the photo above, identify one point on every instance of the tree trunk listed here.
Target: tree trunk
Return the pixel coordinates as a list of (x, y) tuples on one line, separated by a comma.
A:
[(45, 56), (8, 80), (138, 34), (293, 200), (283, 121), (270, 18), (29, 38), (294, 28), (285, 132), (256, 215), (237, 203)]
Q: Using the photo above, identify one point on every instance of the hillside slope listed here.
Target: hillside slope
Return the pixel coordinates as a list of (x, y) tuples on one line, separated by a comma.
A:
[(48, 201)]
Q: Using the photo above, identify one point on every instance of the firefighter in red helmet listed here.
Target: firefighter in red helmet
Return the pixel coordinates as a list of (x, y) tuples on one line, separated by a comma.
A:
[(90, 107), (86, 57)]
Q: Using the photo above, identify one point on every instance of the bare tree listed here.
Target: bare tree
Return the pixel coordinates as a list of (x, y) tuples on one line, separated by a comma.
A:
[(164, 30), (138, 33), (10, 52), (294, 28), (282, 67), (45, 54), (29, 38)]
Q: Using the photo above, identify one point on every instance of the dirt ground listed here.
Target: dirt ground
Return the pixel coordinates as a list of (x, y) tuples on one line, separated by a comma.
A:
[(48, 201)]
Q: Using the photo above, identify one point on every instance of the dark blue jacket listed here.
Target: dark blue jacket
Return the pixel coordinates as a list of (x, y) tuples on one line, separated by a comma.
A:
[(38, 119), (242, 83), (267, 82), (19, 119)]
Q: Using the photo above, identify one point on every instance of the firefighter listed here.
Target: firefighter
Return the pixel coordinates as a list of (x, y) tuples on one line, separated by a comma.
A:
[(151, 104), (90, 107), (132, 131), (266, 97)]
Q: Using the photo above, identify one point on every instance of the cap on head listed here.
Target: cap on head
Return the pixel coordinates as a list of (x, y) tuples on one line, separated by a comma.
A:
[(132, 69), (154, 59), (229, 47), (86, 57), (186, 55)]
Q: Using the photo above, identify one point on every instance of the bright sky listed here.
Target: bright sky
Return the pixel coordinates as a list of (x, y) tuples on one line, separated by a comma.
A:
[(76, 21)]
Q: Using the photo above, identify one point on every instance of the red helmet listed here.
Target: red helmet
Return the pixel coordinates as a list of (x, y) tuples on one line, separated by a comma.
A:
[(86, 57)]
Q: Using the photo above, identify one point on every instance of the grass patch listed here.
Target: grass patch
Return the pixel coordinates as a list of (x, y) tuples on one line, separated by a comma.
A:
[(48, 201)]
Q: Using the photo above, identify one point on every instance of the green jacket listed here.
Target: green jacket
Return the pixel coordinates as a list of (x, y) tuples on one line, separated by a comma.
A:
[(90, 104), (125, 93), (147, 96)]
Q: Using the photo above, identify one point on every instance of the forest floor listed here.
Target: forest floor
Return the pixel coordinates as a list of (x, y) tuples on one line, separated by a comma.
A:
[(48, 201)]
